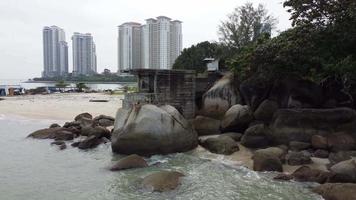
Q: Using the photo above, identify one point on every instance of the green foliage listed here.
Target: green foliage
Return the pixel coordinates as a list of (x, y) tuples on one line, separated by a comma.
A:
[(81, 86), (245, 25), (192, 58)]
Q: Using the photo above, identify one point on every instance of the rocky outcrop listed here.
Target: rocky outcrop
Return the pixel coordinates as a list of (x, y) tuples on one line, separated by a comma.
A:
[(104, 120), (319, 142), (89, 143), (162, 181), (220, 145), (97, 131), (265, 110), (345, 171), (148, 130), (269, 159), (219, 98), (237, 118), (83, 115), (300, 125), (54, 133), (336, 191), (129, 162), (307, 174), (298, 158), (256, 136), (206, 125), (341, 142)]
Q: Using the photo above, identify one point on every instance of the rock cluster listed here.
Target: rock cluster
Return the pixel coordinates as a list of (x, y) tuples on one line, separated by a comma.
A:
[(88, 132)]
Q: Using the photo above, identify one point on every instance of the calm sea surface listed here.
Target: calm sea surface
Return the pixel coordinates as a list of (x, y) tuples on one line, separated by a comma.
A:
[(34, 170), (94, 86)]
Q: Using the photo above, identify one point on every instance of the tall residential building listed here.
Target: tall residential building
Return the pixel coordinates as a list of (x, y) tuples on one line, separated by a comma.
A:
[(55, 52), (129, 46), (84, 54), (159, 41)]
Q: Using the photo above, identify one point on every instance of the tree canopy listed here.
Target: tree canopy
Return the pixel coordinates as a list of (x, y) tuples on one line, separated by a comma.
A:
[(244, 25)]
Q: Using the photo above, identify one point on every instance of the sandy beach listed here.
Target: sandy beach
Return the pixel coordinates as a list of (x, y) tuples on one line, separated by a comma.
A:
[(60, 106)]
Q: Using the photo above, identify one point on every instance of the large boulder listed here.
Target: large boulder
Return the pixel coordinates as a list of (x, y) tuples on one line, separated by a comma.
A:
[(269, 159), (337, 191), (206, 125), (54, 133), (220, 145), (319, 142), (345, 171), (97, 131), (301, 124), (295, 92), (336, 157), (83, 115), (255, 90), (104, 120), (219, 98), (148, 130), (307, 174), (129, 162), (162, 181), (89, 143), (341, 142), (298, 158), (256, 136), (237, 118), (265, 110)]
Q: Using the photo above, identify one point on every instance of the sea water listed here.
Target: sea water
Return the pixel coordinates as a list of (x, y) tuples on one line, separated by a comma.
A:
[(34, 170)]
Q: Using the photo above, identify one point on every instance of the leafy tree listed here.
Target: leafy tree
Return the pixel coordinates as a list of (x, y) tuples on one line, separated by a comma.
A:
[(81, 86), (192, 58), (245, 25)]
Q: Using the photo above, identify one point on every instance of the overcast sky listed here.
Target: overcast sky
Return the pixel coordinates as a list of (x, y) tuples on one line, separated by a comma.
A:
[(21, 23)]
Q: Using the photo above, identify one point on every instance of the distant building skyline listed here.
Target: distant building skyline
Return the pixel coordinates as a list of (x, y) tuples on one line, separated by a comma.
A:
[(84, 54), (55, 52), (154, 45)]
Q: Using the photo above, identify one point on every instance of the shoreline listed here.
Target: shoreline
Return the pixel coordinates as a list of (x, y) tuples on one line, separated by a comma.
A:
[(87, 82)]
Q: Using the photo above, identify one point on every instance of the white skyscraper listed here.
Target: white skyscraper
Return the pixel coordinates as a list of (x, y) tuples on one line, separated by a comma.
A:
[(159, 41), (55, 52), (84, 54)]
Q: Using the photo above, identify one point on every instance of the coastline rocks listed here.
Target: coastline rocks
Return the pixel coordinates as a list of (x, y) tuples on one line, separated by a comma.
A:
[(256, 136), (321, 153), (104, 120), (345, 171), (129, 162), (268, 159), (148, 130), (53, 133), (306, 174), (341, 142), (319, 142), (341, 156), (220, 145), (97, 131), (298, 146), (162, 181), (206, 125), (235, 136), (337, 191), (237, 118), (219, 98), (83, 115), (301, 124), (298, 158), (265, 110), (89, 142), (54, 126)]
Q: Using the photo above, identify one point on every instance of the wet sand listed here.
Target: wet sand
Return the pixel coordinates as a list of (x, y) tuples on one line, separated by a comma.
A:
[(60, 106)]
